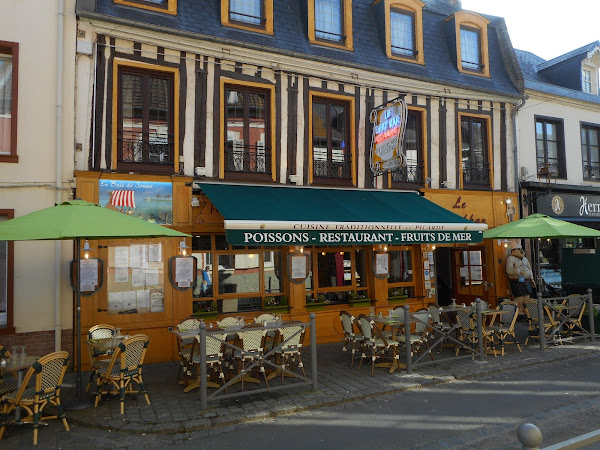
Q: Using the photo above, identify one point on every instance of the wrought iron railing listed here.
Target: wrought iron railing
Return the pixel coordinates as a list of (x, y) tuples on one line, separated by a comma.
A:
[(550, 163), (591, 171), (476, 173), (411, 173), (247, 158), (337, 168), (156, 151)]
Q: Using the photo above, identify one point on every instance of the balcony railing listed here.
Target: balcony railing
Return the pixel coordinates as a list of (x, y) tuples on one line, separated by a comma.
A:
[(247, 158), (476, 173), (156, 151), (549, 164), (340, 167), (411, 173), (591, 171)]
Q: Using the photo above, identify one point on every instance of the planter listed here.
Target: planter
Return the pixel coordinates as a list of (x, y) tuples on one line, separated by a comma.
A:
[(280, 308), (360, 302), (397, 299), (315, 306), (206, 315)]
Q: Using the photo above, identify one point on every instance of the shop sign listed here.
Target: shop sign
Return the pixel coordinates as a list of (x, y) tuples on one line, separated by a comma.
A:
[(344, 238), (389, 125), (146, 200), (569, 205)]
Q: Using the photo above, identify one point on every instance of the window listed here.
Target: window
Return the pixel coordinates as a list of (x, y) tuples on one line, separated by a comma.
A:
[(549, 143), (586, 80), (9, 62), (332, 129), (474, 151), (413, 147), (236, 280), (247, 112), (471, 43), (590, 141), (253, 15), (6, 276), (147, 126), (404, 30), (165, 6), (330, 23), (401, 281)]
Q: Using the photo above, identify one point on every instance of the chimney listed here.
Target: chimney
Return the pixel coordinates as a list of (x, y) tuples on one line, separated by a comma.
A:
[(455, 3)]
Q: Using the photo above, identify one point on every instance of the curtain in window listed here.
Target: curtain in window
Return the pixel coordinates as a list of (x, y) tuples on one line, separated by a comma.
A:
[(247, 11), (402, 33), (469, 47), (5, 103), (328, 20)]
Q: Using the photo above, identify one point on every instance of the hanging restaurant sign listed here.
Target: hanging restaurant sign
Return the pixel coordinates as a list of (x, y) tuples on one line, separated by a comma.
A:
[(389, 125)]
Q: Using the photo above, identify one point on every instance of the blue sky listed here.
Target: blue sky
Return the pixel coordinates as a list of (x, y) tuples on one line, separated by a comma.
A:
[(547, 28)]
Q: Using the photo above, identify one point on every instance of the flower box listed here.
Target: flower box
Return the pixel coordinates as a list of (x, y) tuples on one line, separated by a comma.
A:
[(206, 314), (315, 306), (277, 308), (360, 302), (397, 299)]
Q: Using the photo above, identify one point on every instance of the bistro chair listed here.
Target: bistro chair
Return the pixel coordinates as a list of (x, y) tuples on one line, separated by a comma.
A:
[(184, 344), (289, 354), (375, 342), (266, 317), (124, 369), (351, 338), (439, 319), (420, 337), (506, 325), (573, 323), (45, 376), (98, 357), (465, 329), (230, 321), (250, 345), (215, 345), (534, 330), (6, 386)]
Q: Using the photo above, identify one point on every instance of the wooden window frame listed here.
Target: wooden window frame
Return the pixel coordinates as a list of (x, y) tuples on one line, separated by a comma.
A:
[(266, 13), (421, 112), (12, 48), (488, 153), (168, 6), (270, 89), (416, 281), (347, 42), (414, 8), (349, 102), (589, 127), (133, 66), (10, 280), (468, 19), (559, 123)]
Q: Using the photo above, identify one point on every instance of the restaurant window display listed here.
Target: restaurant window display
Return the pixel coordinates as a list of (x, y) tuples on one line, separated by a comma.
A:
[(236, 279), (401, 280), (336, 276)]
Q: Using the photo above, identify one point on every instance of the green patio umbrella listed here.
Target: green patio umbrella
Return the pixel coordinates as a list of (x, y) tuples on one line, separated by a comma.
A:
[(78, 219), (539, 226)]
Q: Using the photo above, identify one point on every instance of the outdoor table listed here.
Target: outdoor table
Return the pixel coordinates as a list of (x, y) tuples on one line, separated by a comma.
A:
[(105, 344), (19, 364)]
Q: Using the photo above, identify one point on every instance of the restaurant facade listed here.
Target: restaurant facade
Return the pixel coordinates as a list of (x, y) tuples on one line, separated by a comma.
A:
[(255, 138)]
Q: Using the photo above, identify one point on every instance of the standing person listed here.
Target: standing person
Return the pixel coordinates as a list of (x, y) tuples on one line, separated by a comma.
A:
[(520, 276)]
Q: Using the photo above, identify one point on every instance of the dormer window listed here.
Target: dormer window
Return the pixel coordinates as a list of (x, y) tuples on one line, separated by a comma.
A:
[(404, 30), (403, 33), (470, 31), (586, 81), (251, 15), (330, 23), (164, 6)]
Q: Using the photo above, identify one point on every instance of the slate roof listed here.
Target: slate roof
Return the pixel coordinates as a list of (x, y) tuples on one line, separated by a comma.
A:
[(201, 18)]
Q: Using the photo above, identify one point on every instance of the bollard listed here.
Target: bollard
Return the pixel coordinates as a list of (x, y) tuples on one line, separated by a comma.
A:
[(203, 386), (313, 351), (407, 339), (530, 436), (541, 333), (591, 312), (479, 328)]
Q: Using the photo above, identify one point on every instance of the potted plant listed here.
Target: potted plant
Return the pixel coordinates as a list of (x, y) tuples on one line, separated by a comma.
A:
[(207, 309), (315, 303), (397, 295), (358, 298), (276, 304)]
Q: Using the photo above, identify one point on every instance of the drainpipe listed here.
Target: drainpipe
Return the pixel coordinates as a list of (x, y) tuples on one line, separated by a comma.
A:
[(60, 49), (513, 116)]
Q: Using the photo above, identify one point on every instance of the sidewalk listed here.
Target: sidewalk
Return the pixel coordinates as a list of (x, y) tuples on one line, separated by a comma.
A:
[(173, 411)]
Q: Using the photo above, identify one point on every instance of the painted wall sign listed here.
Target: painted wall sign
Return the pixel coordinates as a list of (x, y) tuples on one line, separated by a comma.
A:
[(147, 200), (389, 125), (313, 237), (569, 205)]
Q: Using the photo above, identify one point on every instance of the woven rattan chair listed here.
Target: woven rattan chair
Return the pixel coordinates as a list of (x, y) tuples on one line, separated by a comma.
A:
[(214, 358), (251, 341), (6, 386), (375, 343), (184, 344), (41, 385), (292, 339), (548, 322), (505, 326), (266, 317), (573, 323), (352, 339), (420, 338), (124, 369), (98, 357), (230, 321), (465, 329)]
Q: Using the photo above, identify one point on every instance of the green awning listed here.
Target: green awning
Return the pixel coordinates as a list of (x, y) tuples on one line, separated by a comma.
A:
[(286, 215)]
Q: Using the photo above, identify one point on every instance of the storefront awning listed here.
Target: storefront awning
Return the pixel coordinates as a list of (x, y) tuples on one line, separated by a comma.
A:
[(285, 215)]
